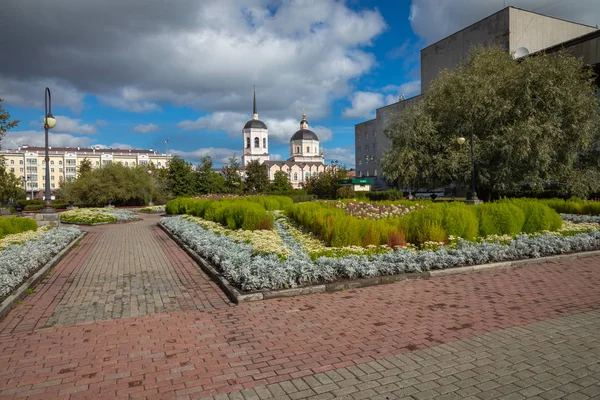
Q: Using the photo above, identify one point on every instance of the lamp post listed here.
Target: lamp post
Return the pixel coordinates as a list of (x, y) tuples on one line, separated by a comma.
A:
[(49, 123), (461, 140)]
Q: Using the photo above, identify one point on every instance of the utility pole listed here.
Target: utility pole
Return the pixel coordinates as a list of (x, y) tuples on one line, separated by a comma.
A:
[(167, 151)]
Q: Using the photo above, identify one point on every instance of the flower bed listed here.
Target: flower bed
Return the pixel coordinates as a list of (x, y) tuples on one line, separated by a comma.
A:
[(361, 209), (97, 215), (12, 225), (244, 267), (19, 261), (153, 209)]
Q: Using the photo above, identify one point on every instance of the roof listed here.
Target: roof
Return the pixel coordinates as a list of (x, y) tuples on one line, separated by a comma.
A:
[(304, 134), (86, 150), (255, 124)]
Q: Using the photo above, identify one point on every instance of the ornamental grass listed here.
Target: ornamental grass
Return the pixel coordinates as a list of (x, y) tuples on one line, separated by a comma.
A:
[(13, 225)]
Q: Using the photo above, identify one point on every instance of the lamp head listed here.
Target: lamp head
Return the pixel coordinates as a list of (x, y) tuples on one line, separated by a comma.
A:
[(461, 140), (49, 121)]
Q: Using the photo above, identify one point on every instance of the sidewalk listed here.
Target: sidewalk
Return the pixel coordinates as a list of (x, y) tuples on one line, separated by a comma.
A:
[(192, 343)]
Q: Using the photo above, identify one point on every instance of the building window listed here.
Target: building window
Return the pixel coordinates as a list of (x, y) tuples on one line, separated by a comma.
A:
[(20, 169), (71, 162), (359, 174), (297, 149), (43, 162), (359, 162), (106, 162), (51, 169), (247, 142), (366, 147), (52, 178), (265, 143), (60, 162), (51, 162), (375, 173), (256, 142), (97, 163), (12, 170), (295, 176), (306, 176), (53, 186), (143, 162), (308, 149), (31, 161), (159, 164), (126, 164), (12, 162), (60, 178), (366, 135), (367, 173), (21, 162), (358, 137), (60, 170)]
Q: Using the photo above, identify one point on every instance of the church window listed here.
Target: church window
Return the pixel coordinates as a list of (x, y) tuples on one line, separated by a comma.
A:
[(308, 149), (295, 176), (306, 176), (265, 143), (297, 149), (247, 142), (256, 142)]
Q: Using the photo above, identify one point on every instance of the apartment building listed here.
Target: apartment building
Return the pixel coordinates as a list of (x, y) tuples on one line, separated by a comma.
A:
[(28, 163)]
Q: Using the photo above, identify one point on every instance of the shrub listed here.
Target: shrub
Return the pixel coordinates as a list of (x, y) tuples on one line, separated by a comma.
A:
[(345, 192), (574, 206), (420, 224), (60, 204), (538, 216), (9, 226), (460, 221), (34, 207), (499, 219)]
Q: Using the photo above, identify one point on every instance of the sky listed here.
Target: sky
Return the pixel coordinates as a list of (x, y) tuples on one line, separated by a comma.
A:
[(132, 73)]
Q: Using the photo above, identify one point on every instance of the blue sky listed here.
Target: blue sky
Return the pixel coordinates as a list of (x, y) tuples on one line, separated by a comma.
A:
[(132, 74)]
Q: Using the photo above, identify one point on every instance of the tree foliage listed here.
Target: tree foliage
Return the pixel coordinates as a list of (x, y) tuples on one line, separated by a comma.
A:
[(232, 175), (209, 181), (281, 183), (84, 167), (257, 177), (10, 185), (122, 185), (325, 184), (532, 121), (181, 178)]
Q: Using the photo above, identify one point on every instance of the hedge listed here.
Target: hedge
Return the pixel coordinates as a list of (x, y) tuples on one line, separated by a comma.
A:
[(9, 226), (574, 206)]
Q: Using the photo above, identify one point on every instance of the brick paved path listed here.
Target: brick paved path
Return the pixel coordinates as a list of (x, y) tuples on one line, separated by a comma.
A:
[(205, 352), (118, 271)]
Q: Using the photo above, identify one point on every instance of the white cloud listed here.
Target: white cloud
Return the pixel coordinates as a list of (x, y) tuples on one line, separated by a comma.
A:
[(101, 122), (280, 130), (344, 155), (434, 19), (204, 54), (217, 154), (408, 89), (146, 128), (14, 139), (364, 105)]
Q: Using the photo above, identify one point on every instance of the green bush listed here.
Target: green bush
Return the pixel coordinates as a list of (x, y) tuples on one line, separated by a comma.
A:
[(420, 224), (460, 221), (499, 219), (385, 195), (34, 207), (9, 226), (345, 192), (59, 204), (538, 216), (574, 206)]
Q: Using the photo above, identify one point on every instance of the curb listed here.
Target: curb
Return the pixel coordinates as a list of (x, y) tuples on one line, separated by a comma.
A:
[(9, 303), (100, 223), (238, 297)]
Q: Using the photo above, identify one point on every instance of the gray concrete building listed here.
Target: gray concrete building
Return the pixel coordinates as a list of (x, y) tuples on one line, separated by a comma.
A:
[(518, 31)]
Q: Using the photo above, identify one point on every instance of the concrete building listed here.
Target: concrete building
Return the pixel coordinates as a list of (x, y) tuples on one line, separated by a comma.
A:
[(518, 31), (28, 164)]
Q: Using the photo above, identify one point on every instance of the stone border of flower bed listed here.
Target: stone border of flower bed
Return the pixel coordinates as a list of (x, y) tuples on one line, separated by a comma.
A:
[(239, 297), (101, 223), (9, 303)]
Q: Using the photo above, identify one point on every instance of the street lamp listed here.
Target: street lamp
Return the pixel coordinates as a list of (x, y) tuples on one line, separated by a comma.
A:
[(461, 140), (49, 123)]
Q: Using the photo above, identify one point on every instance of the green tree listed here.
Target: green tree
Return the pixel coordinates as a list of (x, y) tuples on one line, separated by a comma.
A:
[(209, 181), (531, 120), (233, 176), (281, 183), (181, 178), (84, 167), (10, 185), (257, 177), (122, 185), (326, 184)]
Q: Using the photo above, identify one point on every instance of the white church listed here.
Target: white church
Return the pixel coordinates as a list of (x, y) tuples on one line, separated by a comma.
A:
[(306, 158)]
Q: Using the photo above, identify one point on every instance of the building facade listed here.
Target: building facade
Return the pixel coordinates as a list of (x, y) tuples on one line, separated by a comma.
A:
[(28, 163), (306, 156), (518, 31)]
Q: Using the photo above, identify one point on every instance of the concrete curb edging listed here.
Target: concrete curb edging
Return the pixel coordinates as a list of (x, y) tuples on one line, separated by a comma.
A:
[(9, 303), (238, 297), (100, 223)]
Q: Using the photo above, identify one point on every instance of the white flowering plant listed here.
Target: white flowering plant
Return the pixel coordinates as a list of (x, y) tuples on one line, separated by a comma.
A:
[(153, 209), (20, 260), (97, 215)]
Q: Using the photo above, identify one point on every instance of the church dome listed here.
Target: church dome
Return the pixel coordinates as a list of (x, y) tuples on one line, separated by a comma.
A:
[(305, 134), (256, 124)]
